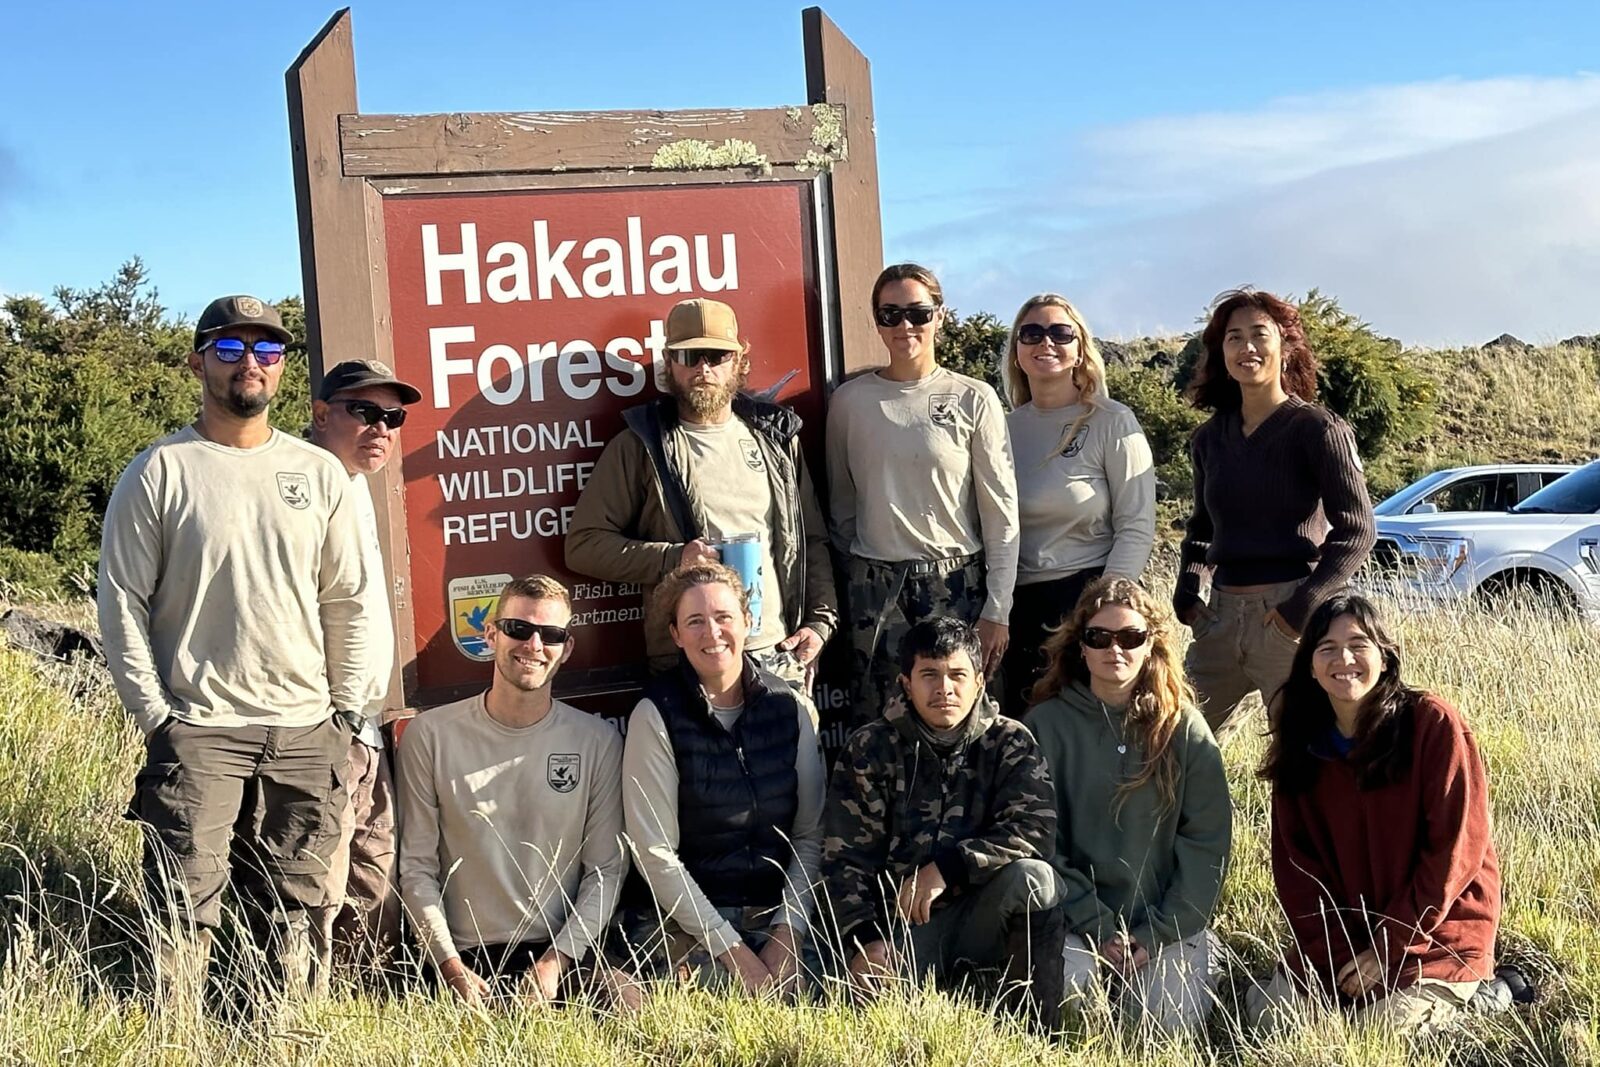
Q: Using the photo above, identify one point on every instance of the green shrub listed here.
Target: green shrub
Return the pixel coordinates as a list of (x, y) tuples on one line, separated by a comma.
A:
[(1168, 422), (974, 346), (86, 383)]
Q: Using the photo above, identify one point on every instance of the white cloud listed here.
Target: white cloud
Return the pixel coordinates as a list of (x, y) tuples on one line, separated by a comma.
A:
[(1446, 212)]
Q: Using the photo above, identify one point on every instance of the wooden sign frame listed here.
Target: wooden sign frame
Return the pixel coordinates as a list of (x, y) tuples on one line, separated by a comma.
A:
[(346, 162)]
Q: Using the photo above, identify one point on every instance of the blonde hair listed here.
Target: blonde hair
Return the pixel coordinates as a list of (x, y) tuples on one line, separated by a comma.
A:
[(1155, 709), (1089, 374), (664, 601)]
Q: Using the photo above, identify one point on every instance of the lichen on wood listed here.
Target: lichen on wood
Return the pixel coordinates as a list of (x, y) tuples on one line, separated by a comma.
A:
[(692, 153)]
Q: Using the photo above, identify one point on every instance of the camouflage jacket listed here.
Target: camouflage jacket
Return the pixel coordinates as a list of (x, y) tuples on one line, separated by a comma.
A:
[(896, 804)]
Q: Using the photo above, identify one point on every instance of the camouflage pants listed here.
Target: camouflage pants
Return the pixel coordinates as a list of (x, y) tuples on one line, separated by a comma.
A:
[(886, 601)]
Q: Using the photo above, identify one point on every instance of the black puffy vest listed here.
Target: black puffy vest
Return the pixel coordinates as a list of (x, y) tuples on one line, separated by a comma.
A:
[(737, 790)]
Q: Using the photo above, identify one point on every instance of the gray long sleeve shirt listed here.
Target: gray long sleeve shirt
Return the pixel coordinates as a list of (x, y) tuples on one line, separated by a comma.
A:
[(231, 585), (922, 470)]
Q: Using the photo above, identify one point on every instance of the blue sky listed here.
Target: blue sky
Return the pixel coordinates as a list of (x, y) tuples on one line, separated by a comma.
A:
[(1435, 165)]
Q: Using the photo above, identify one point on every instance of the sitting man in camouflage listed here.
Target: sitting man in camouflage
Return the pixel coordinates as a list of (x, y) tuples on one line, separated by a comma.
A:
[(938, 832)]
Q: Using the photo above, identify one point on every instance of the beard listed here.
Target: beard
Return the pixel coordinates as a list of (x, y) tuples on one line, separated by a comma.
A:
[(232, 395), (708, 398)]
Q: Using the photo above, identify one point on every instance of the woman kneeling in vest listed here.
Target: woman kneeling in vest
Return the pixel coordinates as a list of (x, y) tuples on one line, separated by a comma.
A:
[(722, 793)]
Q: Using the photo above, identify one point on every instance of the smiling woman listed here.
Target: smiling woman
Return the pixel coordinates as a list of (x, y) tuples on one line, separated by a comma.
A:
[(1381, 848), (1281, 514), (722, 799)]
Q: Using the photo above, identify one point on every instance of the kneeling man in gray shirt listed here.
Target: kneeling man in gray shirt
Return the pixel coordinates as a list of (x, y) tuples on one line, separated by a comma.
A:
[(511, 814)]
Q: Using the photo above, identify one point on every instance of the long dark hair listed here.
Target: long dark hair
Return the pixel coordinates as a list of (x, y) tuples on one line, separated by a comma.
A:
[(1302, 715), (1214, 390)]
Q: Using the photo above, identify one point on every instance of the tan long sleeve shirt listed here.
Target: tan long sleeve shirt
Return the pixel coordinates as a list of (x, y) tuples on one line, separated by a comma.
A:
[(510, 834)]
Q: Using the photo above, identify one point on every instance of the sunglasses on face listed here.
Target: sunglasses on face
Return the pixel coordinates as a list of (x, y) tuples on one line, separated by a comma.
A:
[(1098, 637), (522, 630), (1034, 334), (711, 357), (370, 414), (232, 350), (889, 315)]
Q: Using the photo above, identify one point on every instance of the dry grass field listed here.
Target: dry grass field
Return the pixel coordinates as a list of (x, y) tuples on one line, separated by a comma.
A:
[(68, 868)]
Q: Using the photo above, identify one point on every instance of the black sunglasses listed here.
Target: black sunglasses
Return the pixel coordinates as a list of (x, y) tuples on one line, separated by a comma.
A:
[(231, 350), (890, 315), (1130, 637), (1034, 334), (370, 414), (522, 629), (693, 357)]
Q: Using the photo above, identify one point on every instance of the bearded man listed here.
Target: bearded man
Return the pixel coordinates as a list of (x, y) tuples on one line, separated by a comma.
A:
[(232, 594), (696, 469)]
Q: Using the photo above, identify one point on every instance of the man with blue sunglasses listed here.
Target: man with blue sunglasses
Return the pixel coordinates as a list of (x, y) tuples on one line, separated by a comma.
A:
[(231, 596)]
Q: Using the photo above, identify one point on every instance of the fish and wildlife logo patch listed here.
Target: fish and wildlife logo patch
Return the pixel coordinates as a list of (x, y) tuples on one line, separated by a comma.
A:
[(295, 489), (752, 455), (942, 409), (1072, 446), (472, 602), (564, 771), (249, 307)]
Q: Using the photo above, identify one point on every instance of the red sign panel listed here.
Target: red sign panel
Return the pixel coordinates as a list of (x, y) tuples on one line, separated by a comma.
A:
[(530, 321)]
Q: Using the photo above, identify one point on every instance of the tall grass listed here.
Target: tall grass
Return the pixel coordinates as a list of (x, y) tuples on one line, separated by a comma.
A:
[(69, 872)]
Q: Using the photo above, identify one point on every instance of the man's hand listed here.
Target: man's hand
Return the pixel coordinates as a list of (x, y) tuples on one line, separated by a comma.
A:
[(781, 956), (1137, 956), (699, 551), (870, 968), (1272, 618), (468, 987), (544, 981), (917, 894), (747, 967), (1360, 976), (992, 638), (803, 644)]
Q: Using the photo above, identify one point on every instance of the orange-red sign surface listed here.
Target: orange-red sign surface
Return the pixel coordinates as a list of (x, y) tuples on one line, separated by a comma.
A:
[(531, 321)]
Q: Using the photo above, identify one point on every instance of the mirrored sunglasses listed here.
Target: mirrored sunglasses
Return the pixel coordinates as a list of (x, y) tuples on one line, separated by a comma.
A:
[(232, 350)]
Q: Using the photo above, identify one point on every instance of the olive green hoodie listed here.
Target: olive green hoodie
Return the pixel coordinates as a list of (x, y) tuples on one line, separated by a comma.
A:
[(1156, 875)]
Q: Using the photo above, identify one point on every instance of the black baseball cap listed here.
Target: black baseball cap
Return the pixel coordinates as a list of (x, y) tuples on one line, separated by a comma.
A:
[(226, 312), (359, 373)]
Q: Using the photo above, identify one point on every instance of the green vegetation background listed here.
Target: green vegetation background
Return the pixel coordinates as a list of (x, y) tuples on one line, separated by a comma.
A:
[(90, 377)]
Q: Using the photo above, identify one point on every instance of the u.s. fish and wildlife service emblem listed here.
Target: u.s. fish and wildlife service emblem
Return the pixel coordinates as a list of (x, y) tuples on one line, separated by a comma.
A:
[(249, 307), (472, 602), (295, 489), (564, 771)]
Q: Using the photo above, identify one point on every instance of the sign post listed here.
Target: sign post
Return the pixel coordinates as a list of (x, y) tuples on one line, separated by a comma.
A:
[(518, 267)]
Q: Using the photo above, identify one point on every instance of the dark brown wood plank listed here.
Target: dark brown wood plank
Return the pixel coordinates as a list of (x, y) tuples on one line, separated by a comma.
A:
[(343, 269), (533, 142), (838, 74)]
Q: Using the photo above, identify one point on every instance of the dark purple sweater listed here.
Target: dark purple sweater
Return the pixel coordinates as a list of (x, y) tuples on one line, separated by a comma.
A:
[(1286, 503)]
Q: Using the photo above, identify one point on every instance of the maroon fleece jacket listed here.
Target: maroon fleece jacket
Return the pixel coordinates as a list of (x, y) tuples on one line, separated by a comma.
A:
[(1408, 869)]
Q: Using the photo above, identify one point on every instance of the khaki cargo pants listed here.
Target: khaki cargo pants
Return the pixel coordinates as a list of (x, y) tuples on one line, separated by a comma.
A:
[(257, 806), (1236, 652), (360, 923)]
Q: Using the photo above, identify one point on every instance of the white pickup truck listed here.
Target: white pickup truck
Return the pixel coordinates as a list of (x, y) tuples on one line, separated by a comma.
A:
[(1547, 547)]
